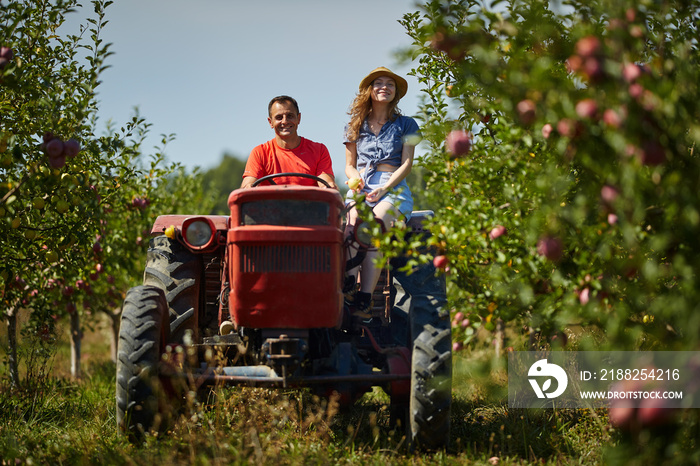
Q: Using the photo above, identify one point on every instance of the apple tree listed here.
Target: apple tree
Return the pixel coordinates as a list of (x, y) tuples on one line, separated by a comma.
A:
[(72, 201), (562, 165)]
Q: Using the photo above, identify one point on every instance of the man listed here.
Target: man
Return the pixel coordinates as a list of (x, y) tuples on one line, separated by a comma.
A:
[(288, 152)]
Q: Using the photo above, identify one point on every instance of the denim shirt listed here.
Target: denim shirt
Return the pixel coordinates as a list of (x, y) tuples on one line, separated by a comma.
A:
[(386, 147)]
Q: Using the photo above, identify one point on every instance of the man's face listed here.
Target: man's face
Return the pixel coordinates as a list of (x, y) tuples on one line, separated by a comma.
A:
[(284, 119)]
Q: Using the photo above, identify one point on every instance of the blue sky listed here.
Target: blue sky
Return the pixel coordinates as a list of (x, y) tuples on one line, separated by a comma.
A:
[(206, 70)]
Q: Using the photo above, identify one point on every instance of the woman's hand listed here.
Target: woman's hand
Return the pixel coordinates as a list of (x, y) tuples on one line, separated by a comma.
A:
[(377, 194), (355, 184)]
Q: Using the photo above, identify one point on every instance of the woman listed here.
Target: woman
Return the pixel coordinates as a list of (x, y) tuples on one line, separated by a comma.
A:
[(377, 153)]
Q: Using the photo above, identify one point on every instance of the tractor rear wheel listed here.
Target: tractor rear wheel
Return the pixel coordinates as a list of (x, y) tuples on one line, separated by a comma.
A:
[(420, 321), (177, 271), (431, 389), (142, 336)]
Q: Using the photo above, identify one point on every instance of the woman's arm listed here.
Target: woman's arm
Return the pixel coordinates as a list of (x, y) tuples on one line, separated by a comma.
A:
[(351, 164)]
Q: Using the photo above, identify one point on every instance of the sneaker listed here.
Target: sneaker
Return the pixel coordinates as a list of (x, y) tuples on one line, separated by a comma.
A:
[(362, 307), (350, 290)]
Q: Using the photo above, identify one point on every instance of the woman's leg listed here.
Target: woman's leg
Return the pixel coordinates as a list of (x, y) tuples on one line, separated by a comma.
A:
[(351, 251), (369, 277)]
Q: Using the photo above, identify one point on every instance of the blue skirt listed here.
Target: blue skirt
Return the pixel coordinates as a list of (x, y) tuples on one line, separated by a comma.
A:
[(400, 197)]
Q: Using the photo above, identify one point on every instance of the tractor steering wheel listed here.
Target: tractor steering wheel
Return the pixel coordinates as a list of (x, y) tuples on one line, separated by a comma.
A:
[(301, 175)]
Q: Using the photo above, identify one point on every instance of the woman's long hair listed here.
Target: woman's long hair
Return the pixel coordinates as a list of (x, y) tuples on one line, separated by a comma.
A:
[(361, 108)]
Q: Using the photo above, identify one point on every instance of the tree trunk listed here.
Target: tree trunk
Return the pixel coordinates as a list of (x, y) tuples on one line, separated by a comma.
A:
[(75, 341), (500, 337), (12, 347), (533, 336), (115, 318)]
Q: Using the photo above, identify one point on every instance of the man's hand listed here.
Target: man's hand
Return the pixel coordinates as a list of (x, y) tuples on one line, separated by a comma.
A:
[(248, 181), (331, 182)]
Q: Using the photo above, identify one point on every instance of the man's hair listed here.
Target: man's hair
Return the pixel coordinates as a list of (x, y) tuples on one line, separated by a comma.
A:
[(282, 98)]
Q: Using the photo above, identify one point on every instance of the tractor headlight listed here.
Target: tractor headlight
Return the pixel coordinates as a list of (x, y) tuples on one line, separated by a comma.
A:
[(198, 232)]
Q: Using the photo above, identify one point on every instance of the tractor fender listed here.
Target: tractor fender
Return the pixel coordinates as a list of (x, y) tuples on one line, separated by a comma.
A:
[(221, 222)]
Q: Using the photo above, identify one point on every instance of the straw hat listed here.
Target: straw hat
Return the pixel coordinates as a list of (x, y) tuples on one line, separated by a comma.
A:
[(401, 84)]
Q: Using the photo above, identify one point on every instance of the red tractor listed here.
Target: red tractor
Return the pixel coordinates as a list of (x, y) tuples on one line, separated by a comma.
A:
[(263, 290)]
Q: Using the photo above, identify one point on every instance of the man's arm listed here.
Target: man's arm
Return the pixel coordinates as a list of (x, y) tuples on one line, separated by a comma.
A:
[(248, 181), (328, 179), (324, 168)]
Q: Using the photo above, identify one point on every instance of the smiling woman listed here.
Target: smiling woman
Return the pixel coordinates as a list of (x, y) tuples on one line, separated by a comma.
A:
[(375, 152)]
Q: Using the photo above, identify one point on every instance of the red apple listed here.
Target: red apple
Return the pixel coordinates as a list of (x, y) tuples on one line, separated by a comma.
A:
[(588, 46), (6, 56), (7, 53), (71, 148), (653, 153), (654, 412), (449, 44), (612, 118), (566, 127), (636, 31), (97, 248), (587, 108), (622, 414), (440, 262), (631, 71), (457, 346), (615, 23), (458, 143), (526, 111), (593, 69), (609, 193), (574, 63), (551, 248), (54, 148), (67, 290), (498, 230), (547, 130), (612, 219), (459, 316), (584, 296), (57, 162), (635, 90)]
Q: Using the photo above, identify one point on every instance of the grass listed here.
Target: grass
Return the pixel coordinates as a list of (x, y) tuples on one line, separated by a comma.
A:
[(59, 421)]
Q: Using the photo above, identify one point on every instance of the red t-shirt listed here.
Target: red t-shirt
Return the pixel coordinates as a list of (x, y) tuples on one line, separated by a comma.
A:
[(308, 157)]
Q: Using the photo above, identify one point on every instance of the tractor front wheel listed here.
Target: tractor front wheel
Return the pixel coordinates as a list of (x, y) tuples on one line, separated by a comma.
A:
[(143, 334), (177, 271)]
